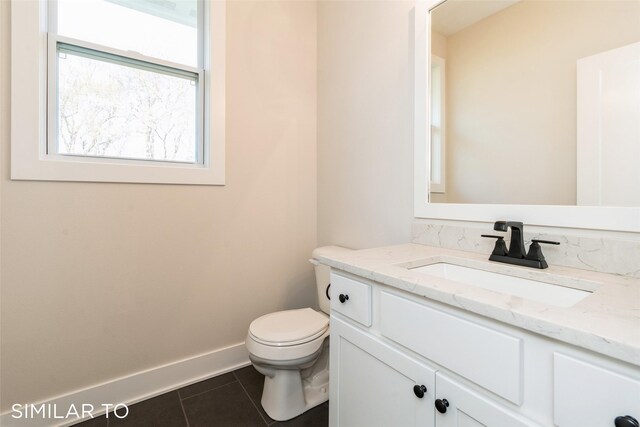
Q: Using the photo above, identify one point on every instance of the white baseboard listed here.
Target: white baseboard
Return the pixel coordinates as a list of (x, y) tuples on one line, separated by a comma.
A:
[(136, 387)]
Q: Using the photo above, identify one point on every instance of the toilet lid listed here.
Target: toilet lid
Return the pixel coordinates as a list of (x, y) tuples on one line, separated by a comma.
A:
[(289, 327)]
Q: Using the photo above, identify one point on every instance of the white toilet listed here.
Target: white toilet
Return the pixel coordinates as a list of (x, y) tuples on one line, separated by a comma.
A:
[(291, 348)]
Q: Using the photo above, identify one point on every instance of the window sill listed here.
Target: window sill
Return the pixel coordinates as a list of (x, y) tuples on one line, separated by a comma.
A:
[(59, 168)]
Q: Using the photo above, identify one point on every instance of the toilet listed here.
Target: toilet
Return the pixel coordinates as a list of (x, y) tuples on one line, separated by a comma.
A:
[(291, 349)]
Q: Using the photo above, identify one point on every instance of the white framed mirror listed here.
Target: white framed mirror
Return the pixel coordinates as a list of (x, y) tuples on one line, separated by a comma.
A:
[(528, 110)]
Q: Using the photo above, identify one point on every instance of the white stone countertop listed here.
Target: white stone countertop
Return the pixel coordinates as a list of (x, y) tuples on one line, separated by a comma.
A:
[(606, 322)]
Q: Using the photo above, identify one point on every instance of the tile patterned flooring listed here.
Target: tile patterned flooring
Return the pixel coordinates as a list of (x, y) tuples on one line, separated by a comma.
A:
[(228, 400)]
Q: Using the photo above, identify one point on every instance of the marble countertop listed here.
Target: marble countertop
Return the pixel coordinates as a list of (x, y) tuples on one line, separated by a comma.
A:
[(607, 321)]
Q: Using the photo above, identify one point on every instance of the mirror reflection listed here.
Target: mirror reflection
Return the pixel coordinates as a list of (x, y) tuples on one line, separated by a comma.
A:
[(535, 102)]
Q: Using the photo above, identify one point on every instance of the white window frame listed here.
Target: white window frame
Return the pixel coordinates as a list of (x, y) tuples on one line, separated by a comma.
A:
[(32, 70)]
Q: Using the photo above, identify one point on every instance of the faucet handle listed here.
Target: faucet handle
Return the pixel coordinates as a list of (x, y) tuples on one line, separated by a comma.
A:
[(546, 242), (535, 251), (501, 247)]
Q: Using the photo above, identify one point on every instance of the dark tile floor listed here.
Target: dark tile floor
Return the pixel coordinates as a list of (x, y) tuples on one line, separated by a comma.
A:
[(231, 399)]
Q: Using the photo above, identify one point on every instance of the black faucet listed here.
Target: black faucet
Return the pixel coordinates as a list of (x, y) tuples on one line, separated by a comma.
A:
[(517, 254)]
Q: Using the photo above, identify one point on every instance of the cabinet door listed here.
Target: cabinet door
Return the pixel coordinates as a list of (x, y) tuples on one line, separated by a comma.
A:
[(588, 395), (372, 384), (467, 408)]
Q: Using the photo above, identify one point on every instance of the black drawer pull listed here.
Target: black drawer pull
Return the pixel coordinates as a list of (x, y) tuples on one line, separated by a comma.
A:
[(626, 421), (419, 390), (442, 405)]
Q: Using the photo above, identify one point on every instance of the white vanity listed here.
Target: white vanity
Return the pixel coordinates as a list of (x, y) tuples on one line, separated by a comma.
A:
[(412, 344), (430, 336)]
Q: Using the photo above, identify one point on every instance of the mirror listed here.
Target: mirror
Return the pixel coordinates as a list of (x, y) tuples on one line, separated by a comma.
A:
[(535, 102)]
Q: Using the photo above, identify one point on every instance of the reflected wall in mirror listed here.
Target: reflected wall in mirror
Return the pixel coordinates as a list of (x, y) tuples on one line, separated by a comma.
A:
[(535, 102)]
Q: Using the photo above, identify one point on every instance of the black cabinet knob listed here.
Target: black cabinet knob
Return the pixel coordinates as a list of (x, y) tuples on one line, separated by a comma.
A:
[(419, 390), (442, 405), (626, 421), (343, 298)]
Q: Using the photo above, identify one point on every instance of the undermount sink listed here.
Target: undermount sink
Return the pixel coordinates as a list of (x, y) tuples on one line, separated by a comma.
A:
[(560, 296)]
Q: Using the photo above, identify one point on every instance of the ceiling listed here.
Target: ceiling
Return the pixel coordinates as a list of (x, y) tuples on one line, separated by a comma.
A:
[(454, 15)]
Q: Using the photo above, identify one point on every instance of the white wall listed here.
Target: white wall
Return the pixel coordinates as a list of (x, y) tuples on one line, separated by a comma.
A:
[(102, 280), (365, 126)]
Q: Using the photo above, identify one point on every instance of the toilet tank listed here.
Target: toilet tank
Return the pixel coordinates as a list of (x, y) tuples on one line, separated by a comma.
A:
[(322, 274)]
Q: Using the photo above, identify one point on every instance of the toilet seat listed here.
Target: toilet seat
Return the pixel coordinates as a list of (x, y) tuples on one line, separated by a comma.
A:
[(287, 335), (289, 353), (289, 328)]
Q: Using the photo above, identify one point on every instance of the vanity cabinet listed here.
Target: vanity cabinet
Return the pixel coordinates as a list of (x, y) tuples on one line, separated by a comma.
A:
[(587, 394), (351, 298), (376, 385), (460, 406), (483, 355), (402, 360)]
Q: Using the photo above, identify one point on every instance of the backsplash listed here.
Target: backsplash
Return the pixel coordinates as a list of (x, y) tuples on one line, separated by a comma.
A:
[(586, 252)]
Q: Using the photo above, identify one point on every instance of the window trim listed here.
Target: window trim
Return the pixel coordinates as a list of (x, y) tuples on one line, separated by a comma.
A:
[(30, 44), (439, 186)]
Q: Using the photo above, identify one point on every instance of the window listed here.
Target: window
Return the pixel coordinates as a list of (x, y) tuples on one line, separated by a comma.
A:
[(437, 184), (128, 91)]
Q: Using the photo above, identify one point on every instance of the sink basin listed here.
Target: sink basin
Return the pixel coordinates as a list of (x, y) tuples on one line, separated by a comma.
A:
[(559, 296)]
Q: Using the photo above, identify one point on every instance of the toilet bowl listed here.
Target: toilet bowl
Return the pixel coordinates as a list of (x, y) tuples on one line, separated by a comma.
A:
[(291, 349)]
